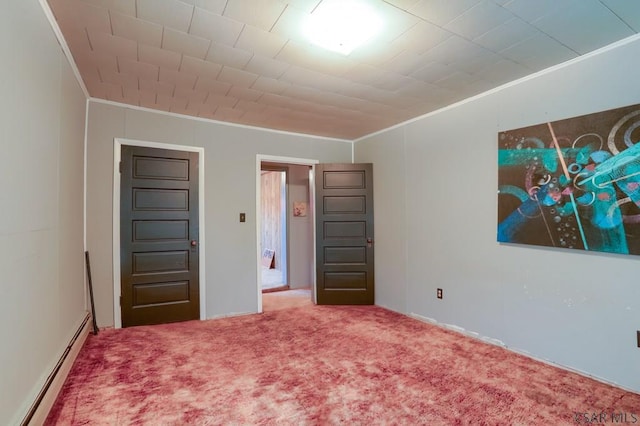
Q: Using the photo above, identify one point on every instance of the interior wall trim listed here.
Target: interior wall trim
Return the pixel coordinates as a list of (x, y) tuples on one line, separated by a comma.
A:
[(45, 399)]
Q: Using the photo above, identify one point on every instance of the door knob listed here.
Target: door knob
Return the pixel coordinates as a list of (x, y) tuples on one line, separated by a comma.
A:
[(369, 242), (194, 243)]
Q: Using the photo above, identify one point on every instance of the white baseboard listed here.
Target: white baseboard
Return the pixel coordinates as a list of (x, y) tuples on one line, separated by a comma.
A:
[(500, 343), (47, 396)]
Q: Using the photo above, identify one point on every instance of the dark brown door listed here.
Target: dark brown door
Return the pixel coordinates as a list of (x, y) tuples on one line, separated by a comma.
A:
[(344, 234), (158, 236)]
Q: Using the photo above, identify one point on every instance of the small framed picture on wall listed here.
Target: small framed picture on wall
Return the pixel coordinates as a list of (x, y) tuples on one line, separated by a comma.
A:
[(299, 208)]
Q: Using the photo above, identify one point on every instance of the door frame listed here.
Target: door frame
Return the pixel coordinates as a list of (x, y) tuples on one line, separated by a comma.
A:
[(311, 211), (117, 156)]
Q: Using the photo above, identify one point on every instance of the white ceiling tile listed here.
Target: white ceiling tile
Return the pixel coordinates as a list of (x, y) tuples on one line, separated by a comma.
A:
[(289, 25), (158, 87), (257, 78), (503, 72), (181, 80), (364, 74), (228, 114), (441, 12), (628, 11), (113, 91), (214, 27), (163, 102), (92, 59), (452, 50), (418, 89), (262, 14), (221, 101), (195, 96), (506, 34), (113, 45), (391, 81), (578, 33), (88, 71), (78, 42), (433, 71), (302, 76), (126, 7), (481, 18), (421, 37), (405, 63), (193, 108), (305, 5), (454, 81), (260, 42), (160, 57), (270, 85), (266, 66), (169, 13), (230, 56), (245, 94), (237, 77), (377, 54), (184, 43), (140, 96), (249, 106), (538, 52), (215, 6), (131, 96), (139, 69), (178, 105), (395, 22), (403, 4), (207, 112), (199, 67), (530, 11), (212, 86), (81, 15), (477, 63), (315, 58), (136, 29), (148, 99)]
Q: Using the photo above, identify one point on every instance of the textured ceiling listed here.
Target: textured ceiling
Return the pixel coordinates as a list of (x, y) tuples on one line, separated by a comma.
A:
[(246, 62)]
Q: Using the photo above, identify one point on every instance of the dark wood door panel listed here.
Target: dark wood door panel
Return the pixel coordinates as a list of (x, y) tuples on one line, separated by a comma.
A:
[(344, 234), (159, 223)]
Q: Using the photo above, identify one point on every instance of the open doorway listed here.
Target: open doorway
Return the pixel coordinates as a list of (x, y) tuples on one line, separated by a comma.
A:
[(286, 231), (274, 229)]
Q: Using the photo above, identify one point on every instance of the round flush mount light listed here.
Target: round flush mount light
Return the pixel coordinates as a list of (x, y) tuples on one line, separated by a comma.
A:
[(342, 25)]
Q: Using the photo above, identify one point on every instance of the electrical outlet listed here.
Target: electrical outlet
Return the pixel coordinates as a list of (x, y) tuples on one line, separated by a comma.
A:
[(439, 295)]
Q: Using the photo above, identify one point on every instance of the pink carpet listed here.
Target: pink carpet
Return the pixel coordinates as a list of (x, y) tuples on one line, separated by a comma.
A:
[(321, 365)]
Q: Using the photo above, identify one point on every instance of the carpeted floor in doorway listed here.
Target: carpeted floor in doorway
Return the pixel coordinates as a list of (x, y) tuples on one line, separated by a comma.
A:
[(323, 365)]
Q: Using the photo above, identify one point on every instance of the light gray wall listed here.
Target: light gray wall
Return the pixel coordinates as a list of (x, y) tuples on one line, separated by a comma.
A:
[(42, 111), (230, 188), (574, 308), (300, 230)]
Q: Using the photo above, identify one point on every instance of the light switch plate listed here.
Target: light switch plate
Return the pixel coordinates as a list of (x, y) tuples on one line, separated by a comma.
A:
[(243, 217)]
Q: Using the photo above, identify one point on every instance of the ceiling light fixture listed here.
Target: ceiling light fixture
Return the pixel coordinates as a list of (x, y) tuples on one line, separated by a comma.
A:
[(342, 25)]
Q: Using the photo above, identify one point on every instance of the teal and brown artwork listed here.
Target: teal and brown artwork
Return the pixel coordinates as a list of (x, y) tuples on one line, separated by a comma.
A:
[(572, 183)]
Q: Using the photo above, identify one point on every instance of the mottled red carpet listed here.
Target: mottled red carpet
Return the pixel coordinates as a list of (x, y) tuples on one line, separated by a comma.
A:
[(308, 365)]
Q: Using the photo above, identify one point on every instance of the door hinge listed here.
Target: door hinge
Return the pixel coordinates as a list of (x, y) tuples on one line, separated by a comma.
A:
[(120, 300), (120, 167)]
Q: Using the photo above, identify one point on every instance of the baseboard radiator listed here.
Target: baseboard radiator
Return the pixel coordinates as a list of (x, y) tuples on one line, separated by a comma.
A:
[(47, 396)]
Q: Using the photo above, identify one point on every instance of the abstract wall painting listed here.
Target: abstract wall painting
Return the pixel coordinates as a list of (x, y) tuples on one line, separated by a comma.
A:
[(572, 183)]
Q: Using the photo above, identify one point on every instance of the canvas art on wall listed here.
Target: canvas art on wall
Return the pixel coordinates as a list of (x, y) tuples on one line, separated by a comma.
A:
[(572, 183)]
